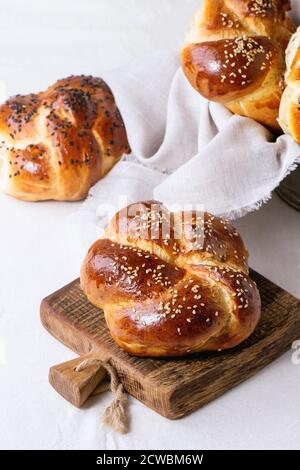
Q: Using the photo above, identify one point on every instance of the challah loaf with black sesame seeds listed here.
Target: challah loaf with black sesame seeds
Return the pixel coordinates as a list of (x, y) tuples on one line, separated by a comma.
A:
[(58, 143), (171, 284), (234, 54)]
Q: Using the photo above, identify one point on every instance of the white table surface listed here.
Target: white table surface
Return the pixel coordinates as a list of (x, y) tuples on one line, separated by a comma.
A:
[(41, 41)]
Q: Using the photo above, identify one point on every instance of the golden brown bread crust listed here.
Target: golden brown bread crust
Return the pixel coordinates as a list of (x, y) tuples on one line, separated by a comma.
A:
[(289, 114), (248, 60), (58, 143), (234, 54), (171, 284)]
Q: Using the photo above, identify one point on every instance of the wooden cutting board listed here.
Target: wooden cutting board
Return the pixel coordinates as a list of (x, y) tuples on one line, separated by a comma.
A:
[(173, 387)]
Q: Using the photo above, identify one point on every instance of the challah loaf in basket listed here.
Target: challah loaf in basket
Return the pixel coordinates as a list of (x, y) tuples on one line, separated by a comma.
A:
[(234, 54)]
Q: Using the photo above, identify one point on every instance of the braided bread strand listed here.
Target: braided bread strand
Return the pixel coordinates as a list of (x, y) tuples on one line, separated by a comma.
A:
[(289, 114)]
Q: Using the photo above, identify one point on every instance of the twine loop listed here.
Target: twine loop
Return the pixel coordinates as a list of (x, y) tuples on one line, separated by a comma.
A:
[(115, 414)]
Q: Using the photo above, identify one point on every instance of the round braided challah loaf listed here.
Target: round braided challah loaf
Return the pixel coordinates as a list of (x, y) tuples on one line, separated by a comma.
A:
[(234, 54), (171, 284), (58, 143)]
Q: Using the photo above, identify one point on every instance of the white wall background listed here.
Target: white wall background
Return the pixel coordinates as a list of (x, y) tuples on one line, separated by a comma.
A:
[(42, 40)]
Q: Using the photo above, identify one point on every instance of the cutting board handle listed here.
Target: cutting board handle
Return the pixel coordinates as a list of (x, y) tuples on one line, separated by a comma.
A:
[(77, 386)]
